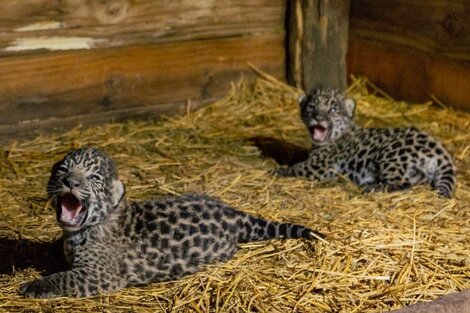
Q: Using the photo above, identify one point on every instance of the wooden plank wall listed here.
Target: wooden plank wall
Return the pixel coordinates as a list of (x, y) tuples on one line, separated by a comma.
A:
[(72, 61), (413, 49)]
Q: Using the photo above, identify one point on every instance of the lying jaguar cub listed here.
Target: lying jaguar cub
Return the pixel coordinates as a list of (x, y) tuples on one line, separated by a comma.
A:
[(374, 158), (111, 243)]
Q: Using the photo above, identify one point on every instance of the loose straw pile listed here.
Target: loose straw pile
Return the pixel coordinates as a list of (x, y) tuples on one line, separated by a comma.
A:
[(383, 250)]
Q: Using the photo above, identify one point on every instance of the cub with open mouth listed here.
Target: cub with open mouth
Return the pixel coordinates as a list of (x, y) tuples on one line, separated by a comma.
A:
[(111, 243), (374, 158), (320, 133), (70, 213)]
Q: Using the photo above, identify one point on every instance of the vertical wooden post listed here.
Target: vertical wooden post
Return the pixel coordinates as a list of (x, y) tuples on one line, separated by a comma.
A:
[(317, 41)]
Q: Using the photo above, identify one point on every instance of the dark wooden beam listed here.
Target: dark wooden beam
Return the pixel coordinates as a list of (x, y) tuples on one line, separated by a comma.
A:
[(317, 40)]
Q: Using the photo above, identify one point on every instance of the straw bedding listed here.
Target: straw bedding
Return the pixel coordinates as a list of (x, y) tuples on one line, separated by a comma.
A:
[(383, 250)]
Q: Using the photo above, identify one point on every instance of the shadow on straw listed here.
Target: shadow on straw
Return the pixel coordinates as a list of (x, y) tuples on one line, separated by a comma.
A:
[(16, 255), (284, 153)]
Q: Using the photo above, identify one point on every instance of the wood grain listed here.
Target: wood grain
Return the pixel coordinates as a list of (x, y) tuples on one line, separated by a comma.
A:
[(92, 82), (317, 43), (127, 22), (71, 61), (436, 27), (410, 75)]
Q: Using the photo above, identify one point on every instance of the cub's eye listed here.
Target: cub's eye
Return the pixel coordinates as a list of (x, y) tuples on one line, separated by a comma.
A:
[(333, 109), (94, 177)]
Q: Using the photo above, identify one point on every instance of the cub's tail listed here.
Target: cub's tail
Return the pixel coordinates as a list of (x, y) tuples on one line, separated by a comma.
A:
[(444, 180), (444, 177), (255, 229)]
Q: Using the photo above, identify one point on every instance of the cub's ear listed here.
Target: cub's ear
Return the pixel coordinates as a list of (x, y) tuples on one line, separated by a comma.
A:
[(302, 100), (118, 192), (56, 166), (350, 106)]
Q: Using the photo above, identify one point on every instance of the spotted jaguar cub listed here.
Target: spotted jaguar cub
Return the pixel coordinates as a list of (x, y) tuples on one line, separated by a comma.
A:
[(111, 243), (374, 158)]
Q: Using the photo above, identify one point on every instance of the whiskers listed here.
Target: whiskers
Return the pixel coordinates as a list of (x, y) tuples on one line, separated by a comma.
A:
[(80, 194), (56, 190)]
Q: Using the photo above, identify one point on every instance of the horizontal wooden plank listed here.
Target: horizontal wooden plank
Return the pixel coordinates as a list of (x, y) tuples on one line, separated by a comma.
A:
[(31, 129), (28, 25), (437, 27), (411, 75), (65, 84)]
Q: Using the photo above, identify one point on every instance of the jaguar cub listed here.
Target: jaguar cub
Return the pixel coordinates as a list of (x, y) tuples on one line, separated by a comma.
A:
[(111, 243), (374, 158)]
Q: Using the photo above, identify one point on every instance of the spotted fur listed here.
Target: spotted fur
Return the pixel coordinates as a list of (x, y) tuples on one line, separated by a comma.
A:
[(374, 158), (111, 243)]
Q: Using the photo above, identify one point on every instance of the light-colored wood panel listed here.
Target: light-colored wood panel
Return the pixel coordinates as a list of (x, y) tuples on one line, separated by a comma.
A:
[(437, 27), (26, 25), (66, 84), (410, 75)]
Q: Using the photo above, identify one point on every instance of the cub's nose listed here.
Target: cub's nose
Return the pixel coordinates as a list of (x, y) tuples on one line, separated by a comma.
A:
[(320, 118), (72, 182)]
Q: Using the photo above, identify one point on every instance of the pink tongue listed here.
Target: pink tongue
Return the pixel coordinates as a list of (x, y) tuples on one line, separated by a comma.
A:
[(71, 207), (319, 133)]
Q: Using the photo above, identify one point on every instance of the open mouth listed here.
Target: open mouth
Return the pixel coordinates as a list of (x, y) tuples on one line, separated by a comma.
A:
[(319, 133), (72, 213)]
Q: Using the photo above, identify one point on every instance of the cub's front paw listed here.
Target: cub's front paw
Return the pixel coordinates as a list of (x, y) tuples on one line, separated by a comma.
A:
[(38, 288), (280, 171), (373, 187)]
